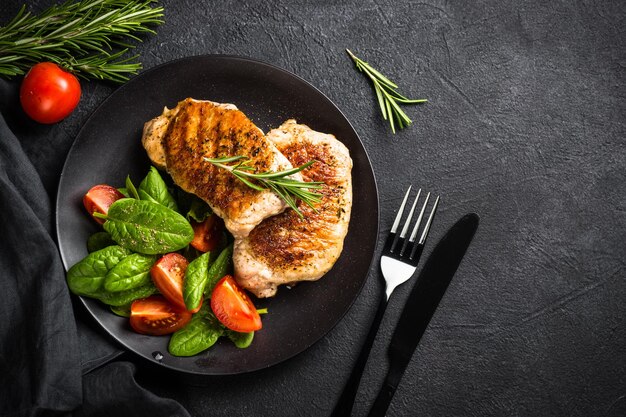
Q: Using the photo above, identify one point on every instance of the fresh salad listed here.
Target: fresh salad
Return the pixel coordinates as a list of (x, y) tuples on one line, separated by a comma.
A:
[(164, 260)]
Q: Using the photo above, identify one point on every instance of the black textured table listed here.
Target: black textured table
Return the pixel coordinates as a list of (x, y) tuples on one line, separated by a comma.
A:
[(525, 125)]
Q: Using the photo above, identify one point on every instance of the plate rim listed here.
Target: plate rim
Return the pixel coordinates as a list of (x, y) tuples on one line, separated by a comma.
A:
[(177, 61)]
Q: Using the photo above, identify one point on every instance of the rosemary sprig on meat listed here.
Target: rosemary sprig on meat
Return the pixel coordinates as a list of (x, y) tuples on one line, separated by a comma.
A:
[(87, 37), (389, 99), (288, 189)]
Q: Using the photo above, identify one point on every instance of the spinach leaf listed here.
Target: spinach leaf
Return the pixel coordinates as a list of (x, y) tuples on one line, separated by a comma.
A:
[(192, 206), (191, 253), (218, 269), (99, 240), (195, 279), (122, 311), (199, 210), (131, 191), (131, 272), (87, 276), (124, 192), (121, 298), (200, 334), (153, 188), (147, 227), (241, 340)]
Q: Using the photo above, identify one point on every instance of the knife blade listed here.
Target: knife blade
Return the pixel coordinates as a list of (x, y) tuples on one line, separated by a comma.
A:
[(422, 303)]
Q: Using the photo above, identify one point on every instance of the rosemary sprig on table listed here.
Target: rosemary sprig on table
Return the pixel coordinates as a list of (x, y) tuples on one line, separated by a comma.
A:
[(387, 94), (79, 36), (288, 189)]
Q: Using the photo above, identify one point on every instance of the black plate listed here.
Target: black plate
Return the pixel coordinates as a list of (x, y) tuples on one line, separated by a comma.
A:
[(108, 148)]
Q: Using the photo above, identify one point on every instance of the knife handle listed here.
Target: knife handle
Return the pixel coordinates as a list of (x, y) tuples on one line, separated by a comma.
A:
[(346, 401), (381, 404)]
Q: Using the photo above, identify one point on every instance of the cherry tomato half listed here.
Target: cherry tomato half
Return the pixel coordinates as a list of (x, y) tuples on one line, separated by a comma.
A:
[(99, 198), (48, 93), (156, 316), (168, 275), (233, 308), (207, 235)]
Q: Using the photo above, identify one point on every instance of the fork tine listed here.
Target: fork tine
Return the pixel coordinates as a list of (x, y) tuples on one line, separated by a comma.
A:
[(407, 223), (429, 221), (419, 220), (396, 222), (418, 247)]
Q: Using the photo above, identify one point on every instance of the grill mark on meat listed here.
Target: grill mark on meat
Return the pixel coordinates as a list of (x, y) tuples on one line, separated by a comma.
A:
[(286, 249), (294, 249), (194, 129)]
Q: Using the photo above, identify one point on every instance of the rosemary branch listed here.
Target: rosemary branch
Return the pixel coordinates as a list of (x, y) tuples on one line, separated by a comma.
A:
[(88, 37), (387, 95), (288, 189)]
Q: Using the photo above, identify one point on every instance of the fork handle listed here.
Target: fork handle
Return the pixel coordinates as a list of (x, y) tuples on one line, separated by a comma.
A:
[(381, 404), (343, 408)]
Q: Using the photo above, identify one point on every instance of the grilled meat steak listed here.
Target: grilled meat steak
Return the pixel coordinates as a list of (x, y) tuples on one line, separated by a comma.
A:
[(285, 248), (180, 139)]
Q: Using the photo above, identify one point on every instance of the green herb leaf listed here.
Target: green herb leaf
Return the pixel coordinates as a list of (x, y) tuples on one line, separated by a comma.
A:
[(192, 206), (147, 227), (196, 276), (87, 276), (286, 188), (218, 269), (131, 272), (154, 189), (99, 240), (122, 311), (121, 298), (80, 36), (387, 95), (199, 210), (200, 334), (241, 340), (130, 189)]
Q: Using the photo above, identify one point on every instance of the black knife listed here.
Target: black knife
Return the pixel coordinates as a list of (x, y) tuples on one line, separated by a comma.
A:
[(422, 303)]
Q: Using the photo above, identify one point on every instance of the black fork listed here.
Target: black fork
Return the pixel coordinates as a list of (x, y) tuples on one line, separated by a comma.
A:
[(398, 263)]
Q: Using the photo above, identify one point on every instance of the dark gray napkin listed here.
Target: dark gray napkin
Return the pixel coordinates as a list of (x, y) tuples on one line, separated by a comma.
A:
[(40, 350), (52, 361)]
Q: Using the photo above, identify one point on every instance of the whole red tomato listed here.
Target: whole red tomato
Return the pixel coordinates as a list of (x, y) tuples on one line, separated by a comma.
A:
[(48, 93)]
